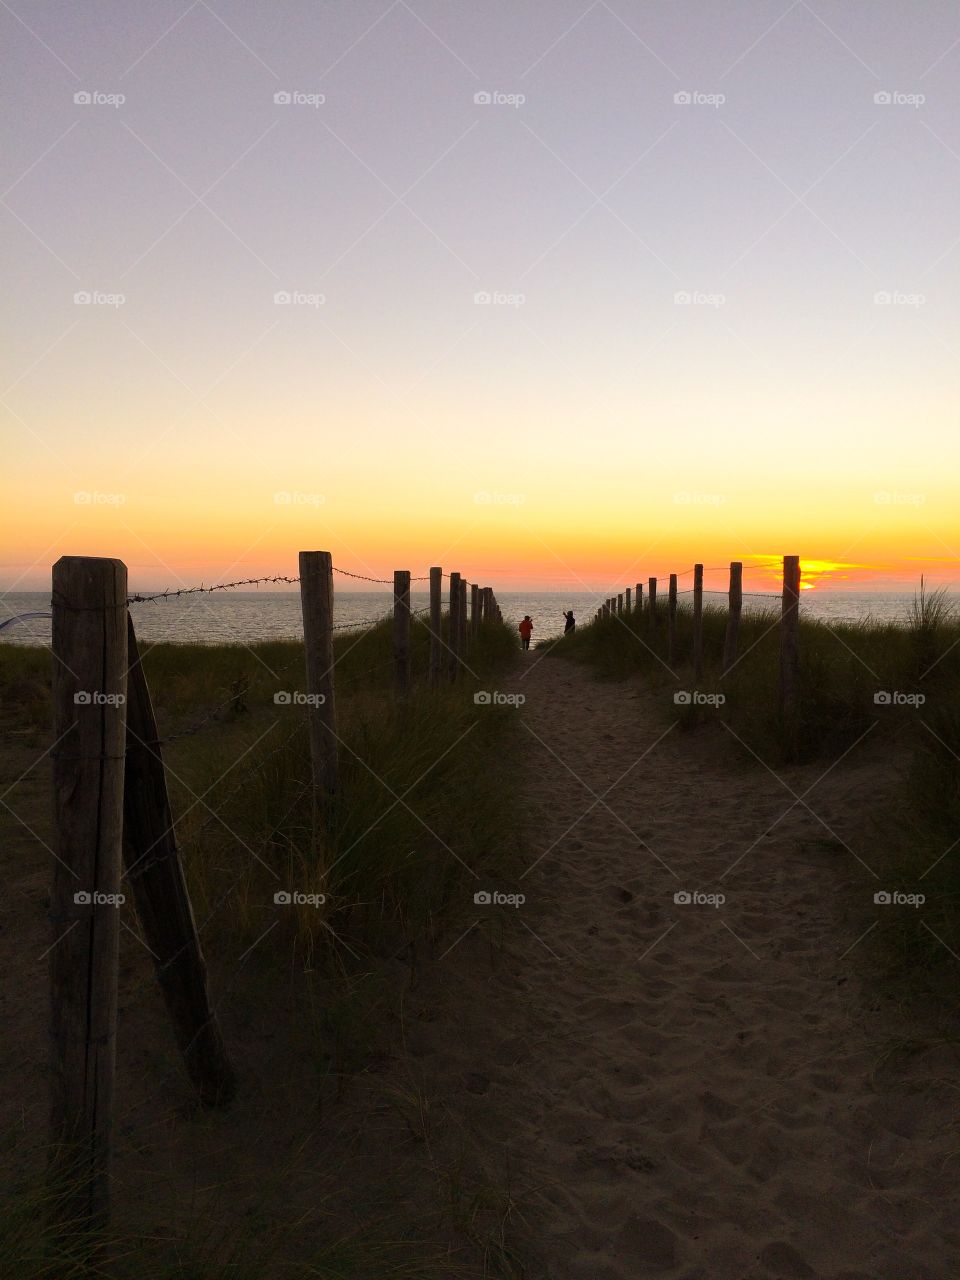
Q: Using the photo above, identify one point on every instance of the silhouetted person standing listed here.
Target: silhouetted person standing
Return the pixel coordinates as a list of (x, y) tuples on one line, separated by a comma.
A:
[(571, 622), (526, 631)]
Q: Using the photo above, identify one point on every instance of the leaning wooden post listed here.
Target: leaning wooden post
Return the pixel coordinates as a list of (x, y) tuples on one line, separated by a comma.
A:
[(790, 643), (672, 618), (401, 630), (89, 732), (155, 875), (733, 616), (474, 608), (453, 630), (436, 640), (316, 603), (697, 621), (652, 620), (464, 621)]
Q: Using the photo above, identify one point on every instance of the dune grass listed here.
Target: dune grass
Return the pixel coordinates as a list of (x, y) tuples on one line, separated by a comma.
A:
[(897, 684), (429, 801)]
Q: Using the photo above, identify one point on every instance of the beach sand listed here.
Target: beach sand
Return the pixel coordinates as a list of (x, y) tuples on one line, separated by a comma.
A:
[(700, 1092)]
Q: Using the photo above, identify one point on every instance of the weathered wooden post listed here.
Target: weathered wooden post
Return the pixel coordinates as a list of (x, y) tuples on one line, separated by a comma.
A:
[(672, 618), (316, 602), (652, 608), (639, 597), (89, 609), (790, 645), (620, 603), (436, 640), (626, 605), (453, 630), (401, 630), (697, 621), (733, 616), (464, 621), (155, 875), (474, 608)]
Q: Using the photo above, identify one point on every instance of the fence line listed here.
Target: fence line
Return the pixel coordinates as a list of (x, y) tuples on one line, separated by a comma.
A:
[(111, 806), (789, 687)]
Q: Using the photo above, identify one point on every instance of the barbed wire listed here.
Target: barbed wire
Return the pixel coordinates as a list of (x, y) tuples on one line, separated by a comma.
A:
[(169, 594)]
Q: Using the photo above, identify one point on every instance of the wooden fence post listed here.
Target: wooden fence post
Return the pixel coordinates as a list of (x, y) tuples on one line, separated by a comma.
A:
[(790, 643), (401, 630), (155, 875), (733, 617), (453, 637), (652, 620), (639, 597), (89, 711), (626, 603), (697, 621), (464, 630), (672, 618), (474, 608), (436, 641), (620, 603), (316, 602)]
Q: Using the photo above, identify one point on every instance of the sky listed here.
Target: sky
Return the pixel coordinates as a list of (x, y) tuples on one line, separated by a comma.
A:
[(554, 295)]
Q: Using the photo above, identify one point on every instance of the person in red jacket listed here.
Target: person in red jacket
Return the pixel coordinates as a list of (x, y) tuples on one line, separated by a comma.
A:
[(526, 631)]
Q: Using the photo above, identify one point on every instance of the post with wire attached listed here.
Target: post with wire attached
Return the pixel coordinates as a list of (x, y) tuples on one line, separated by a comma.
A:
[(401, 630), (155, 875), (474, 609), (436, 640), (453, 630), (316, 602), (652, 620), (697, 621), (731, 640), (89, 609), (790, 648), (672, 618)]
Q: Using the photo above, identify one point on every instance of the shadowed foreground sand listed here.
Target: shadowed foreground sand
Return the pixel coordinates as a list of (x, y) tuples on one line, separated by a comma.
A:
[(698, 1092)]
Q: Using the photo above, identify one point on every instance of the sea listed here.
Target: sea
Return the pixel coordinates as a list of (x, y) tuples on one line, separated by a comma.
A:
[(245, 617)]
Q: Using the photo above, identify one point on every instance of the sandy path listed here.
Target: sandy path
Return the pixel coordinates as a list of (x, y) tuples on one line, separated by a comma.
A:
[(696, 1088)]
